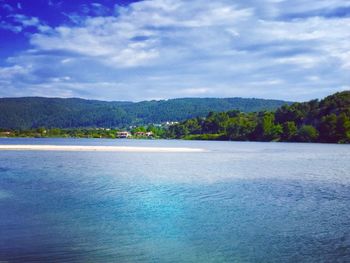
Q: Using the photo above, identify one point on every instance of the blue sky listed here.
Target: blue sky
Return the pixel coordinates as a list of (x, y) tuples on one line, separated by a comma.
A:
[(158, 49)]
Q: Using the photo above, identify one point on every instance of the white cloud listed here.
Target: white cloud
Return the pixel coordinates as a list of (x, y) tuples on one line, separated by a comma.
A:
[(19, 22), (114, 40), (8, 26), (13, 71), (196, 91), (60, 79), (26, 21)]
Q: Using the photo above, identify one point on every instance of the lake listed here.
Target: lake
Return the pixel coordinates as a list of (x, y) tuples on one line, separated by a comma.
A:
[(234, 202)]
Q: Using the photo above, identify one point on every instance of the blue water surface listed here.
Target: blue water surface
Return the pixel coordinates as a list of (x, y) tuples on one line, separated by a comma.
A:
[(236, 202)]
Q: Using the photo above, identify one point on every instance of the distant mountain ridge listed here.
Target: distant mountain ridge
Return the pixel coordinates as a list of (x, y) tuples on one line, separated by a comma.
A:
[(34, 112)]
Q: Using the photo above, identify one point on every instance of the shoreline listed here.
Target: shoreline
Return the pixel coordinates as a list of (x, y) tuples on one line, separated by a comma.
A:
[(78, 148)]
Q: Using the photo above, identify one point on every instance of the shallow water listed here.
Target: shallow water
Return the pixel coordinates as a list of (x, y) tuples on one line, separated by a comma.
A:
[(238, 202)]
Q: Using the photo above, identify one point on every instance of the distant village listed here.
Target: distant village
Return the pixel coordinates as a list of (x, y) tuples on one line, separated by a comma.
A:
[(126, 134), (138, 132)]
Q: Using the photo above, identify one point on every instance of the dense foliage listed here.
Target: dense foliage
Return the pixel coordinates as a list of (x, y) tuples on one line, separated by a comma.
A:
[(327, 120), (35, 112), (136, 133)]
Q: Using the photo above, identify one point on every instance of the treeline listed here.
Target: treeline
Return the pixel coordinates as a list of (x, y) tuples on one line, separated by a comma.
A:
[(36, 112), (327, 120), (59, 133), (136, 132)]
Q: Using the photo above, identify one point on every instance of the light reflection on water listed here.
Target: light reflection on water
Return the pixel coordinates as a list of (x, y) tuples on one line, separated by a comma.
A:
[(238, 202)]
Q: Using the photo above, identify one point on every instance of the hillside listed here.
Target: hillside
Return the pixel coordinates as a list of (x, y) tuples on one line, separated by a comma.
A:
[(34, 112), (327, 120)]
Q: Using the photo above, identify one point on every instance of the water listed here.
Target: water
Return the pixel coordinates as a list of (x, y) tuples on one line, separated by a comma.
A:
[(238, 202)]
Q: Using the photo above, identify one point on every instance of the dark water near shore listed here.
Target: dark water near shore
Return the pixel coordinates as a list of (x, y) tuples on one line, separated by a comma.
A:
[(238, 202)]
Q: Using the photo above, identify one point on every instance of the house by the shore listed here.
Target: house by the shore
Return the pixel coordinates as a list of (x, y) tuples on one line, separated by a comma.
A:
[(143, 134), (5, 134), (123, 134)]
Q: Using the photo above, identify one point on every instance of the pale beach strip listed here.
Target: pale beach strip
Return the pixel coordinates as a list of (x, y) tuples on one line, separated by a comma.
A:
[(79, 148)]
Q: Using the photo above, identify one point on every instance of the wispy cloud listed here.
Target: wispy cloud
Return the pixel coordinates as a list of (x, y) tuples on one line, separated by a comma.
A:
[(167, 48), (19, 22)]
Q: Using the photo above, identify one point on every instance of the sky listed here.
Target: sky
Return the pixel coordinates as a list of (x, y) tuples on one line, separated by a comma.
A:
[(293, 50)]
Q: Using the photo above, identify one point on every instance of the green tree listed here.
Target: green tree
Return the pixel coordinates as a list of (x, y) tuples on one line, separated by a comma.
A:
[(343, 128), (289, 131), (307, 133), (193, 126), (240, 127), (139, 129), (55, 132), (266, 129), (328, 128)]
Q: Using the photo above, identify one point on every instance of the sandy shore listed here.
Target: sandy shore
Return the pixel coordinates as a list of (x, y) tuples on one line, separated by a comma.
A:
[(78, 148)]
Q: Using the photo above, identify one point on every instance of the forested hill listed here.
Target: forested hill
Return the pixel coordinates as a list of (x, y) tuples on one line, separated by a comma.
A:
[(327, 120), (34, 112)]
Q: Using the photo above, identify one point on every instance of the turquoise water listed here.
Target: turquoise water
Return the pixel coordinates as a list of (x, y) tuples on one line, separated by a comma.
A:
[(238, 202)]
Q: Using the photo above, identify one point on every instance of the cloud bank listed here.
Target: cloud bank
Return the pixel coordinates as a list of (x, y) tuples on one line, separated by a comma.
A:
[(159, 49)]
